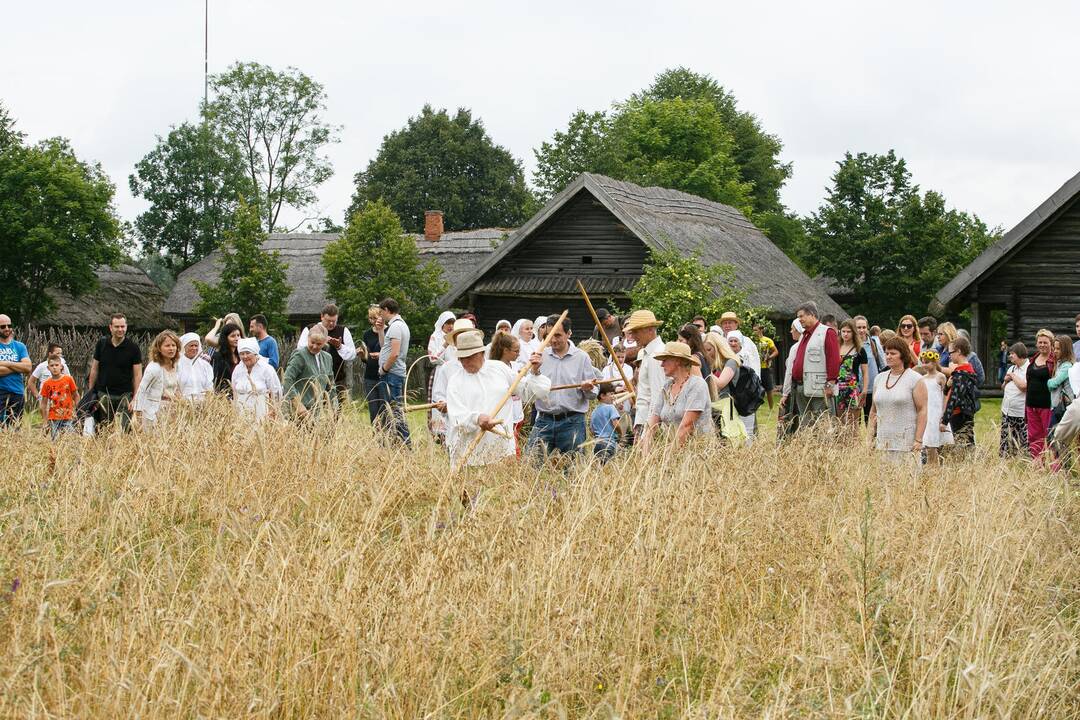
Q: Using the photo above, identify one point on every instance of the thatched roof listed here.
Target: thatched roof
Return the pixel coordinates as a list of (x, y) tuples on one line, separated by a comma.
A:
[(124, 288), (660, 218), (456, 253)]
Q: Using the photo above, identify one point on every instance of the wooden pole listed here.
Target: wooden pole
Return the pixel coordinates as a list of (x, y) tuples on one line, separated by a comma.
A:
[(414, 408), (513, 387), (607, 343), (573, 386)]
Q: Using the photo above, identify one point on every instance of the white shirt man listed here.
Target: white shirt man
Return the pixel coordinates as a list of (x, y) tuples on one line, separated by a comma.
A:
[(641, 328), (472, 393)]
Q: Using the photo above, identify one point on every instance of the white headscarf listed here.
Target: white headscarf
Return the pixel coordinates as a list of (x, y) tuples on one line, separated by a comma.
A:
[(542, 320), (528, 347), (437, 342), (195, 376), (504, 322)]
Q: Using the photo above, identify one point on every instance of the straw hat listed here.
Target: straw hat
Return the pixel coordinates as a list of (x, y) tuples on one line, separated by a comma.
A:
[(641, 319), (469, 342), (678, 351), (460, 325), (729, 316)]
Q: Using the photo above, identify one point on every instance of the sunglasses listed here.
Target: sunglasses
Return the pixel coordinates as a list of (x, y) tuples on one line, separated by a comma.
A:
[(906, 326), (4, 327)]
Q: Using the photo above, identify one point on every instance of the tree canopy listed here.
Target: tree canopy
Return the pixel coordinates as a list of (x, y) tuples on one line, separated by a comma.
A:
[(438, 162), (57, 224), (193, 179), (375, 259), (252, 280), (892, 245), (276, 119), (685, 131)]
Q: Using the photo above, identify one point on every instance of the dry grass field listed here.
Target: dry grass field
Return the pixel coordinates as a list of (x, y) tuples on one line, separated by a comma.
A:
[(213, 571)]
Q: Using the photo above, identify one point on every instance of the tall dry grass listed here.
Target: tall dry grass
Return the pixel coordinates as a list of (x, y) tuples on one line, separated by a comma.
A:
[(211, 571)]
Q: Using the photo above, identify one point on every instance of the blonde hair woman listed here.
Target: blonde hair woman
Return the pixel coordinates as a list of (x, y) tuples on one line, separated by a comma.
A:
[(211, 338), (1037, 403), (160, 382), (946, 335), (908, 331)]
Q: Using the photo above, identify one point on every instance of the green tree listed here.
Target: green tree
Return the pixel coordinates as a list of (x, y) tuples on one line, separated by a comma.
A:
[(682, 145), (451, 164), (642, 140), (677, 287), (193, 180), (374, 259), (893, 246), (252, 280), (8, 134), (56, 224), (275, 119)]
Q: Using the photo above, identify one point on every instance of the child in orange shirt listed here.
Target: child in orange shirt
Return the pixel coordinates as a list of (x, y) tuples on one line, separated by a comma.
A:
[(59, 396)]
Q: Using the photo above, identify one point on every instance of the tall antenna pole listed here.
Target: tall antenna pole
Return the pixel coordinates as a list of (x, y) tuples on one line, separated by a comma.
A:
[(206, 52)]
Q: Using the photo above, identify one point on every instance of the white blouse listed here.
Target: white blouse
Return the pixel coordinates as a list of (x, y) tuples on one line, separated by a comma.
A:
[(254, 391)]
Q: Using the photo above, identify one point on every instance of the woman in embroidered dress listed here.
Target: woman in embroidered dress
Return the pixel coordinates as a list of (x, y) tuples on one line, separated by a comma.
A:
[(851, 381)]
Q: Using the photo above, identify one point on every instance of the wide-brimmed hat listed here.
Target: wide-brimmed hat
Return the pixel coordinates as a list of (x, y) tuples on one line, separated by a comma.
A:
[(678, 351), (641, 319), (460, 325), (469, 342), (730, 316)]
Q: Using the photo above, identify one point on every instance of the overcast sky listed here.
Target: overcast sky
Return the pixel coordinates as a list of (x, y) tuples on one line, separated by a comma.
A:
[(979, 97)]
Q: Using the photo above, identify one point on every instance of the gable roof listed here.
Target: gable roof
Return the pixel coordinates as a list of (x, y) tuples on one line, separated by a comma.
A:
[(456, 253), (992, 257), (660, 217), (124, 288)]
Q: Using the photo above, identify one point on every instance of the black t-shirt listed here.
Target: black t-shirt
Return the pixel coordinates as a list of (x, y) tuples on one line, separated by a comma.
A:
[(115, 365), (1038, 392), (371, 366)]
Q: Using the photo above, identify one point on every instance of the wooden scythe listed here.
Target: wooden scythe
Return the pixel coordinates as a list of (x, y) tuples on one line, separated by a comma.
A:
[(629, 386)]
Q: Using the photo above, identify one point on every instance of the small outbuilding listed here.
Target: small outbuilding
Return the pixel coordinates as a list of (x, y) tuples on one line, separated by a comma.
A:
[(126, 289), (1032, 275), (455, 252), (601, 231)]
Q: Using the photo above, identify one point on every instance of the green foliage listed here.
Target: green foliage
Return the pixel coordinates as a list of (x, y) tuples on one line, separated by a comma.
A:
[(375, 259), (682, 145), (56, 223), (893, 246), (252, 280), (193, 180), (676, 288), (684, 132), (275, 119), (451, 164)]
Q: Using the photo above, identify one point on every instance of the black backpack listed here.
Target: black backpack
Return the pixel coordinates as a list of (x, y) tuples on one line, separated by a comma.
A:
[(749, 392)]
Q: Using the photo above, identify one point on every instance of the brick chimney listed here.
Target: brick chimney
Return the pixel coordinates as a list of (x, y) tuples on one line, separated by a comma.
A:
[(433, 225)]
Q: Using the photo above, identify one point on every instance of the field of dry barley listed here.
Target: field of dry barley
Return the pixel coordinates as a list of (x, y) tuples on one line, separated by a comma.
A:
[(215, 571)]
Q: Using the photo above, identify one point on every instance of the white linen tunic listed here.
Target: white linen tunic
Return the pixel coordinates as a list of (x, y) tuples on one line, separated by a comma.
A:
[(254, 391), (650, 383), (470, 395), (196, 378)]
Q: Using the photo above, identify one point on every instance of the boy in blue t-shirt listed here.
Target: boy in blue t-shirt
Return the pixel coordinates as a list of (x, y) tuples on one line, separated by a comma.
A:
[(603, 423), (14, 364)]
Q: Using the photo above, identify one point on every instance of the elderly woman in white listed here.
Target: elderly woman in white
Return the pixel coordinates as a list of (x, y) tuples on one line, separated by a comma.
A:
[(738, 342), (195, 374), (255, 383)]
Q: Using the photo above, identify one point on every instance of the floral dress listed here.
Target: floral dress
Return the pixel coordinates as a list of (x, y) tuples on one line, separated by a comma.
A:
[(847, 380)]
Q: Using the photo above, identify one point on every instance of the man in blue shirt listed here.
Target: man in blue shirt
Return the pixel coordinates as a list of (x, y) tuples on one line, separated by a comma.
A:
[(14, 364), (267, 345)]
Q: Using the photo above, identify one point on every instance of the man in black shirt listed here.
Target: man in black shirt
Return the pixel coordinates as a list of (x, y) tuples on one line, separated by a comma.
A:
[(115, 373)]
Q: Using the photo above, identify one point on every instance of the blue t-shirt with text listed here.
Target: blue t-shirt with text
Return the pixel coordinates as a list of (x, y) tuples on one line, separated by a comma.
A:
[(13, 351)]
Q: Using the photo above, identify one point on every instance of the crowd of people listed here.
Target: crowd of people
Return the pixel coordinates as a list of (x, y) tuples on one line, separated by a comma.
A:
[(534, 389)]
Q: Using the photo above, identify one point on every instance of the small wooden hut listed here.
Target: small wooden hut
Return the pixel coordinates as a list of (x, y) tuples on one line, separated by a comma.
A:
[(124, 288), (1032, 274)]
